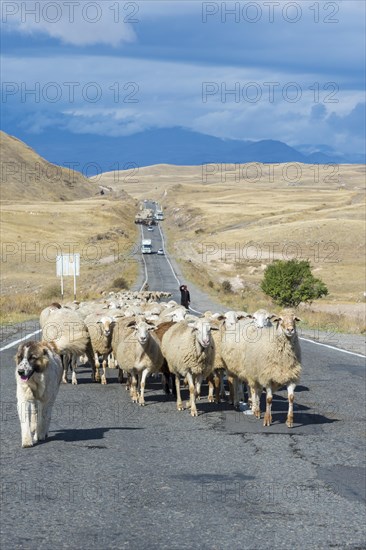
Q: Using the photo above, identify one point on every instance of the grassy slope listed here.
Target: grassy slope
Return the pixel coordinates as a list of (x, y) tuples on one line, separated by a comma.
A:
[(320, 216)]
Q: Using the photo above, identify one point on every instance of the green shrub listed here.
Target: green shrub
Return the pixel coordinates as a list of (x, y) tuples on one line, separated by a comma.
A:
[(120, 283), (290, 282)]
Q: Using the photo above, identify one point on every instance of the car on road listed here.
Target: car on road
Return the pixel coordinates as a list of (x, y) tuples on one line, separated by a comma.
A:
[(160, 252), (150, 228)]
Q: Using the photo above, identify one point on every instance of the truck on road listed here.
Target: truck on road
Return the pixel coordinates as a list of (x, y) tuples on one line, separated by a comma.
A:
[(159, 215), (146, 246)]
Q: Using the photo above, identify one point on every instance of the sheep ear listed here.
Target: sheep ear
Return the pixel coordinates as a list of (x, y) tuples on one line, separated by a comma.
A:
[(272, 317), (297, 319), (277, 319), (220, 317), (248, 316), (214, 328), (192, 324), (131, 324)]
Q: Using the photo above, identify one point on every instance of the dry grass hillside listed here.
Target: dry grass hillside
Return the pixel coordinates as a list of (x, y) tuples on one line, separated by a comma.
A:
[(40, 220), (229, 222), (26, 175)]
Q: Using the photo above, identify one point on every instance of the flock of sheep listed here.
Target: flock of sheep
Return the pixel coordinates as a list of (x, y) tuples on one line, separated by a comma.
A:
[(142, 335)]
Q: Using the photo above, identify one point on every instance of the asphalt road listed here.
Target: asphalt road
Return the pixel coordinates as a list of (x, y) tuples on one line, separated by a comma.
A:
[(115, 475)]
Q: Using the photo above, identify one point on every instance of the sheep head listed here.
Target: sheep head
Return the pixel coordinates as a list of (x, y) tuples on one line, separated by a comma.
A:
[(262, 318), (107, 324), (142, 330), (286, 322), (202, 329)]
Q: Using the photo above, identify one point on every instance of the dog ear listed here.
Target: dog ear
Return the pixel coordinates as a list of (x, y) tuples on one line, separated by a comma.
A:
[(20, 353)]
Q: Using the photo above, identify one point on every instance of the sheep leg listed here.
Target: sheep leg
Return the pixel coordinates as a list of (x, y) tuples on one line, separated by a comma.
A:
[(133, 388), (268, 414), (218, 381), (192, 394), (112, 363), (145, 372), (240, 390), (179, 397), (165, 383), (198, 388), (222, 393), (120, 375), (74, 365), (256, 392), (291, 398), (211, 387), (104, 367), (234, 391), (96, 367), (65, 367), (91, 359)]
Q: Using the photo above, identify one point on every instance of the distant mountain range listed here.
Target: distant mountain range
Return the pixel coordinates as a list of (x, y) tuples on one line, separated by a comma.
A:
[(179, 146)]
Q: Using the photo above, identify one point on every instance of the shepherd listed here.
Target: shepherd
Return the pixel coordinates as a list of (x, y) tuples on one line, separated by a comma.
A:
[(185, 298)]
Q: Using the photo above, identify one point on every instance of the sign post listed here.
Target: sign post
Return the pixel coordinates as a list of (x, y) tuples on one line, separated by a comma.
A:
[(68, 265)]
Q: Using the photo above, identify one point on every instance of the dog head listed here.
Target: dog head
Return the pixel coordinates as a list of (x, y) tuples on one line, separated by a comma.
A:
[(32, 357)]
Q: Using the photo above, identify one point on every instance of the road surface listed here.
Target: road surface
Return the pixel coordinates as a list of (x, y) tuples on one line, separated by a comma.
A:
[(116, 475)]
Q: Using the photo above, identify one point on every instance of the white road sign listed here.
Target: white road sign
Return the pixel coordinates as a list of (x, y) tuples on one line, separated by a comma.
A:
[(68, 265)]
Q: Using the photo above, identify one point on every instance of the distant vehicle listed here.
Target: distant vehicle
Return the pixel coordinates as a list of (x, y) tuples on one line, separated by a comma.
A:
[(146, 246), (150, 228), (159, 215), (160, 252)]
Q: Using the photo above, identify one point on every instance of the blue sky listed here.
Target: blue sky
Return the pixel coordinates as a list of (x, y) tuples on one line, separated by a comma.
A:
[(108, 68)]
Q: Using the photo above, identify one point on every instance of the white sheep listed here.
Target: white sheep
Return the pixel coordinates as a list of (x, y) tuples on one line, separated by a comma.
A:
[(265, 358), (263, 318), (215, 379), (100, 328), (189, 351), (67, 329), (139, 352)]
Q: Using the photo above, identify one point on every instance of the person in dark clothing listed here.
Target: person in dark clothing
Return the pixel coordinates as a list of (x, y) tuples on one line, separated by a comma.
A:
[(185, 297)]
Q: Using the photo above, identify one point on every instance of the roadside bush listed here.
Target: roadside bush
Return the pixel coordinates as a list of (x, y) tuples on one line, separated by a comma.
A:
[(51, 291), (226, 287), (120, 283), (290, 282)]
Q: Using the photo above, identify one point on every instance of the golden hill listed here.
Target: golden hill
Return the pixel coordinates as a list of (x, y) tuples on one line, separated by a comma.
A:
[(27, 176), (43, 216), (230, 221)]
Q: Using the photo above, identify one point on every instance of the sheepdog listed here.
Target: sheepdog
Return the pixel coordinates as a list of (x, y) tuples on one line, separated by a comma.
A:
[(38, 375)]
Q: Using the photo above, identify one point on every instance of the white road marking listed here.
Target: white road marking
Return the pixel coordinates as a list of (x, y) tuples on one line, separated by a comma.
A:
[(171, 267), (333, 347), (146, 276), (8, 346), (166, 256)]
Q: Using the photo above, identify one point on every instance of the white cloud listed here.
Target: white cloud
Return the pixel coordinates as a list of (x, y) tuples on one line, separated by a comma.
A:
[(77, 23)]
